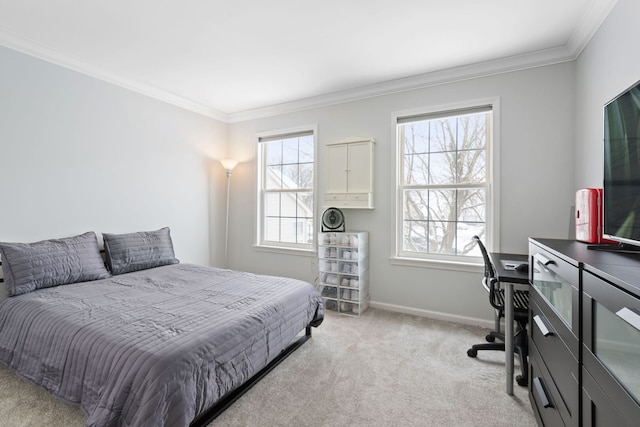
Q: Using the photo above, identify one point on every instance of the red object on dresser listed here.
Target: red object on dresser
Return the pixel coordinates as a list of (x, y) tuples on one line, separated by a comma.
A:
[(589, 218)]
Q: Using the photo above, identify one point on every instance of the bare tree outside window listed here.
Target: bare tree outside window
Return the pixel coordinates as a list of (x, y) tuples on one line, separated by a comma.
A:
[(444, 182)]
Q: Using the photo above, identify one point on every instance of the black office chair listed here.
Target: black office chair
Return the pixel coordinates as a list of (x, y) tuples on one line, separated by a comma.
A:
[(520, 311)]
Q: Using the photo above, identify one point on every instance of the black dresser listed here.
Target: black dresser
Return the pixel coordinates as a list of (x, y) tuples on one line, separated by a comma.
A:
[(584, 348)]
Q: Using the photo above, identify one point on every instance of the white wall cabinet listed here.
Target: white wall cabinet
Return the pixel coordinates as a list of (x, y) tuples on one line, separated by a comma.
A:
[(350, 174), (343, 271)]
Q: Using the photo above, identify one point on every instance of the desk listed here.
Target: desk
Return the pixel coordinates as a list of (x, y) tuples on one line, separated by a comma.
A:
[(508, 277)]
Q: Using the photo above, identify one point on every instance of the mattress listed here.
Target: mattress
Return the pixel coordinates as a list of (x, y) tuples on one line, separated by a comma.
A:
[(155, 347)]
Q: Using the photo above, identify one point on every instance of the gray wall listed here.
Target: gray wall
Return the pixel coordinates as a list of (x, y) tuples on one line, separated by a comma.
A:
[(536, 184), (79, 154)]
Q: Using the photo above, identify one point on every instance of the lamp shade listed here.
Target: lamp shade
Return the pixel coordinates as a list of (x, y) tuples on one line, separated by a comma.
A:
[(228, 164)]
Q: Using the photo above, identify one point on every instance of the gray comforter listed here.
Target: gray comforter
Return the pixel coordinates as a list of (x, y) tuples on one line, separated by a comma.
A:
[(155, 347)]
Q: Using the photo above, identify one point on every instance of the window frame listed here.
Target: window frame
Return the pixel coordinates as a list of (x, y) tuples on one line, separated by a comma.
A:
[(284, 247), (492, 220)]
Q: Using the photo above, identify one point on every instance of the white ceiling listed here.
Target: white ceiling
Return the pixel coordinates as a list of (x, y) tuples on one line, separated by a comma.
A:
[(237, 58)]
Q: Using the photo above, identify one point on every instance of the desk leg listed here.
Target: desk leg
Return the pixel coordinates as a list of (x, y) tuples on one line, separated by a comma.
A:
[(508, 335)]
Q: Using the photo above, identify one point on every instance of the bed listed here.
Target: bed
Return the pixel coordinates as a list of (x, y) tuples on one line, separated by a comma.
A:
[(166, 345)]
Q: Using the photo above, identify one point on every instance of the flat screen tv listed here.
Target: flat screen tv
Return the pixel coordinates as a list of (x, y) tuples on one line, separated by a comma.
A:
[(621, 204)]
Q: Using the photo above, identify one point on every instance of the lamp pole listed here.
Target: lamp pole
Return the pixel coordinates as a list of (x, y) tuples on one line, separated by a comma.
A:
[(228, 165)]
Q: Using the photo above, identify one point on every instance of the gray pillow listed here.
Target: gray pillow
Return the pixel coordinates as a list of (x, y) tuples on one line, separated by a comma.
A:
[(30, 266), (138, 251)]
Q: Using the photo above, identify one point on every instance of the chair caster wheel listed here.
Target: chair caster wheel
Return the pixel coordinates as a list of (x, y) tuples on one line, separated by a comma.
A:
[(522, 381), (490, 338), (472, 352)]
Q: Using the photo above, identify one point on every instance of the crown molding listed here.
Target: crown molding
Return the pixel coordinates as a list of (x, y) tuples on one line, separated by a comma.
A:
[(587, 27), (56, 56), (450, 75), (589, 24)]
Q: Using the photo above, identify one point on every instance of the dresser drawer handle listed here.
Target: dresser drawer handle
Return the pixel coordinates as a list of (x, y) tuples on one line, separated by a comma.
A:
[(630, 317), (543, 260), (541, 393), (543, 328)]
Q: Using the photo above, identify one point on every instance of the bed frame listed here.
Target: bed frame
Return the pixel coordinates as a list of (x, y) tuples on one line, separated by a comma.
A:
[(217, 409)]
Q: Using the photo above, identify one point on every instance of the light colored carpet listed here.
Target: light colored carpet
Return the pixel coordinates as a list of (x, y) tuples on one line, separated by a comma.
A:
[(382, 369)]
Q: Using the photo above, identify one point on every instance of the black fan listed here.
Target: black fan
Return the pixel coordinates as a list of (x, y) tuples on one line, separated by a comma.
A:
[(332, 220)]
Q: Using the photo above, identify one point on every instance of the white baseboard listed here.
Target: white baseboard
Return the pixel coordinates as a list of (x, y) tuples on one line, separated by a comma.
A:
[(464, 320)]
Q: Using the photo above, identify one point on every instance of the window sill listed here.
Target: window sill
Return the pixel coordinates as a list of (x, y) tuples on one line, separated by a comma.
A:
[(467, 266), (311, 253)]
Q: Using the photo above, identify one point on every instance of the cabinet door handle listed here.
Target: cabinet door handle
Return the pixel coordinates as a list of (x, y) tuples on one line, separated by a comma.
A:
[(543, 260), (541, 393), (630, 317), (543, 328)]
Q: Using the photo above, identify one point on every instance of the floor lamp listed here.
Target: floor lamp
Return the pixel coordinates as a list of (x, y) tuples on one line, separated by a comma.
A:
[(228, 165)]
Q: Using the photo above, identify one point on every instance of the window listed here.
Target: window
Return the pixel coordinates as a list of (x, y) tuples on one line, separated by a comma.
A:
[(444, 183), (286, 188)]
